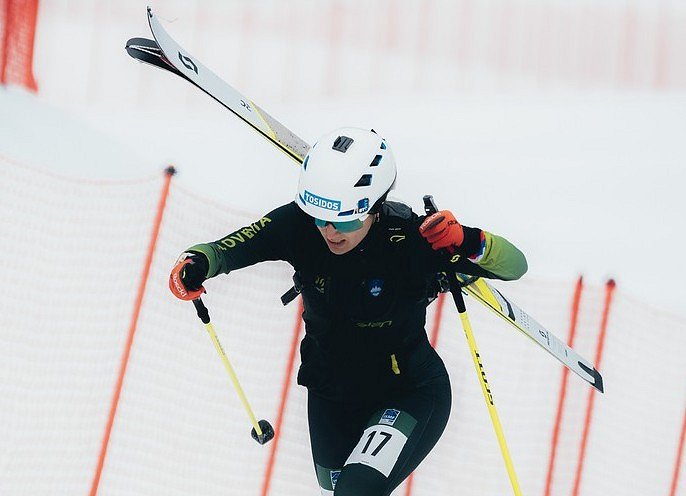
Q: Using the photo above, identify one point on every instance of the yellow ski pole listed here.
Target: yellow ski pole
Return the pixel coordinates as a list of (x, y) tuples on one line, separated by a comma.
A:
[(262, 431), (456, 291)]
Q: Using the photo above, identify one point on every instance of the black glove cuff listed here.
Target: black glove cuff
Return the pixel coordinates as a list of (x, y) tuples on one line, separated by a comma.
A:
[(195, 273), (472, 241)]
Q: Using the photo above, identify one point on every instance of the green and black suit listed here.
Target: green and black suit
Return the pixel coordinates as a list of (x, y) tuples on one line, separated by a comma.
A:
[(378, 394)]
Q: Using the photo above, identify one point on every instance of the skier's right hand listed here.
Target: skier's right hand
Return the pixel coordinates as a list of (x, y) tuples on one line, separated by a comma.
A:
[(441, 230), (187, 276)]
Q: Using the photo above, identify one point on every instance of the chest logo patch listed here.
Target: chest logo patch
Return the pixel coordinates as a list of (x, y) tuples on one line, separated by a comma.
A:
[(375, 286)]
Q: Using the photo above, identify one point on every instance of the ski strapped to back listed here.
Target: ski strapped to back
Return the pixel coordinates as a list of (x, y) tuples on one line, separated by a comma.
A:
[(163, 52)]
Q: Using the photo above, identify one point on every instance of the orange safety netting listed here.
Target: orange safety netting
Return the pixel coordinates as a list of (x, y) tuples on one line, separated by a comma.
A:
[(81, 269)]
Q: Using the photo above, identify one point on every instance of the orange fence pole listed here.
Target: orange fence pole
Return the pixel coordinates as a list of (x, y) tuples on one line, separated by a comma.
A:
[(285, 388), (679, 456), (4, 50), (609, 292), (576, 300), (17, 44), (438, 316), (169, 172)]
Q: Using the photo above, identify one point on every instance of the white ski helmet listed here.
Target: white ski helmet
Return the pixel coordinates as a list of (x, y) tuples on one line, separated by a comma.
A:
[(345, 174)]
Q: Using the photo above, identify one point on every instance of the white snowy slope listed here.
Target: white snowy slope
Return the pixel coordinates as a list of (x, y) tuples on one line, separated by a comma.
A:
[(584, 184)]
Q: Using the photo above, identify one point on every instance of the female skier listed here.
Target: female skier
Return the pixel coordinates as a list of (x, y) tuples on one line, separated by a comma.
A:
[(379, 395)]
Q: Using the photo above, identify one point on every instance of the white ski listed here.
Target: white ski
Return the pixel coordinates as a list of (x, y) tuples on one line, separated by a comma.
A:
[(225, 94)]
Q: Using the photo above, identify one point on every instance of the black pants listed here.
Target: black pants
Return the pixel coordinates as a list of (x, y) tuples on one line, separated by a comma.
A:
[(369, 449)]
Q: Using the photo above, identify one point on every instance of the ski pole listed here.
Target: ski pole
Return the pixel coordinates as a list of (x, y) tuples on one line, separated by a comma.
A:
[(456, 291), (262, 431)]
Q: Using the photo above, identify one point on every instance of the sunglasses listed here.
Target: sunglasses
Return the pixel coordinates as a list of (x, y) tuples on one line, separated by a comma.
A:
[(344, 227)]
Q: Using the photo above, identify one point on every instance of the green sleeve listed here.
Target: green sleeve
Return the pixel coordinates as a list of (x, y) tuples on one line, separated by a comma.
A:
[(260, 241), (502, 258), (236, 250)]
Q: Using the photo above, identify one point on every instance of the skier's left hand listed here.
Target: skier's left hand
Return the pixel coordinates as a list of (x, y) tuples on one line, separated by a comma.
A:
[(442, 230)]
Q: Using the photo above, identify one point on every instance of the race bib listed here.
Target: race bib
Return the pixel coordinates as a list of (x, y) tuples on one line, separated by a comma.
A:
[(379, 448)]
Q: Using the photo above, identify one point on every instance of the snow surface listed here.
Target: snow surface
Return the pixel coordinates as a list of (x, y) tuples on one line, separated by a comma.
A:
[(586, 184)]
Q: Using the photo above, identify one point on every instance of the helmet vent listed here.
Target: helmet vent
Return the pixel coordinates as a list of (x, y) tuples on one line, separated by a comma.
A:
[(365, 180), (376, 161), (342, 144)]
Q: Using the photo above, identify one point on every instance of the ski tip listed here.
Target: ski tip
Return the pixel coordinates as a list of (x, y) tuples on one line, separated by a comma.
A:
[(596, 379), (598, 383), (135, 42)]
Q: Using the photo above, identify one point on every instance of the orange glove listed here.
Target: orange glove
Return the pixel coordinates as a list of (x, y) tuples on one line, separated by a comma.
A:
[(187, 276), (443, 231)]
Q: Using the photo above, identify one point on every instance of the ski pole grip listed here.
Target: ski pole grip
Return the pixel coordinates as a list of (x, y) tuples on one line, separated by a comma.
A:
[(203, 313), (430, 207)]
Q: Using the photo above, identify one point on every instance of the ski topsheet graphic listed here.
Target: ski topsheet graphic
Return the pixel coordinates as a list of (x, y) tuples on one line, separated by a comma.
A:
[(163, 52)]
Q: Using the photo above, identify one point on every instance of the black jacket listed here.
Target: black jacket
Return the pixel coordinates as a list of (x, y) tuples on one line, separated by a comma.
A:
[(364, 310)]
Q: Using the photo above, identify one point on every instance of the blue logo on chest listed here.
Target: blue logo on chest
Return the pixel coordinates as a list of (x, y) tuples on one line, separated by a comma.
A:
[(375, 286)]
